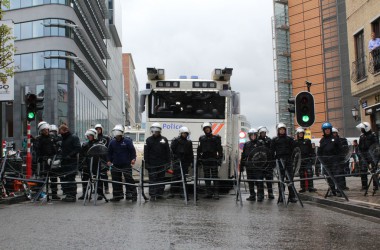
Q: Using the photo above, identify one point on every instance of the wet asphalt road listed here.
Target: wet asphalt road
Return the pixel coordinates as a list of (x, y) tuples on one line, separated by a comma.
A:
[(169, 224)]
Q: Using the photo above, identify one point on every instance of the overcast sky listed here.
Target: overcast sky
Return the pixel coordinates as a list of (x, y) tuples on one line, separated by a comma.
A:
[(192, 37)]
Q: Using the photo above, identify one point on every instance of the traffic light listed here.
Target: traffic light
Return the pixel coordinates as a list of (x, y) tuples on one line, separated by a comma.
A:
[(292, 102), (31, 105), (39, 103), (305, 113)]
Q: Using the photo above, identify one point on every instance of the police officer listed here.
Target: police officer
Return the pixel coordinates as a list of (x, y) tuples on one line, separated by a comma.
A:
[(157, 158), (307, 159), (252, 171), (53, 131), (121, 155), (70, 149), (105, 140), (366, 140), (268, 171), (328, 152), (92, 137), (210, 154), (282, 149), (182, 150), (46, 148), (344, 167)]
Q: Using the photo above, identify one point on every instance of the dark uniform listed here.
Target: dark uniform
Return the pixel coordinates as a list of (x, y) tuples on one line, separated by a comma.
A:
[(344, 166), (105, 140), (282, 148), (307, 160), (157, 158), (87, 171), (253, 172), (46, 147), (182, 150), (70, 149), (268, 171), (366, 140), (121, 153), (210, 154), (328, 153)]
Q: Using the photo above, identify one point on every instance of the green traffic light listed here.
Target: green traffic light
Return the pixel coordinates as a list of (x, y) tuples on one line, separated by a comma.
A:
[(305, 118), (31, 115)]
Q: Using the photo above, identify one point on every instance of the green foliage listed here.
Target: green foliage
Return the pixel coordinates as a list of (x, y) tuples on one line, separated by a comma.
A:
[(7, 48)]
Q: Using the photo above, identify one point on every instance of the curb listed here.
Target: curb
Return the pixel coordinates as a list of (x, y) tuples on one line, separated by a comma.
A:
[(13, 200), (349, 206)]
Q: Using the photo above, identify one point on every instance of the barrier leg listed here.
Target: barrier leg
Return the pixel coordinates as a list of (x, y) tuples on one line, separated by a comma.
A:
[(183, 182)]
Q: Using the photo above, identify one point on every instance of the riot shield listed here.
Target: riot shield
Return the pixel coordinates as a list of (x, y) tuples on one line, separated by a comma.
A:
[(346, 153), (97, 150), (296, 161), (374, 152), (342, 157), (258, 158)]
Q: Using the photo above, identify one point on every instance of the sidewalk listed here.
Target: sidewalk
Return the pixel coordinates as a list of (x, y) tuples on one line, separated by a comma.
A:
[(367, 205)]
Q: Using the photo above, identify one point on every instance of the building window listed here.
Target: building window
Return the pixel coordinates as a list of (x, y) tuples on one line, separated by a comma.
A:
[(43, 28), (39, 60), (374, 54), (376, 27), (358, 66), (17, 4)]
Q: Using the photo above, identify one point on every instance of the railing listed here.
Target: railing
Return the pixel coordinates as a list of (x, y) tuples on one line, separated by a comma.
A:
[(374, 61), (358, 70)]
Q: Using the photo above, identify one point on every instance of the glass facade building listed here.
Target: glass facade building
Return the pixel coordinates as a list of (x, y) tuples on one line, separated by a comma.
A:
[(66, 53)]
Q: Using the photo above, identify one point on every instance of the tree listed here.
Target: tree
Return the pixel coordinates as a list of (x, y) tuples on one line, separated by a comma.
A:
[(7, 48)]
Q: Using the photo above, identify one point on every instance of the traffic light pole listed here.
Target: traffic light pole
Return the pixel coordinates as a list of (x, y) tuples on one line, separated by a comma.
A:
[(28, 154)]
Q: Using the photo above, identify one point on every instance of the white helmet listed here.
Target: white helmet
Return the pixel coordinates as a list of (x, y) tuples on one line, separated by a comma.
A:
[(281, 125), (118, 130), (364, 125), (184, 130), (42, 125), (300, 130), (334, 130), (205, 125), (92, 132), (98, 126), (252, 131), (262, 129), (156, 127), (54, 128)]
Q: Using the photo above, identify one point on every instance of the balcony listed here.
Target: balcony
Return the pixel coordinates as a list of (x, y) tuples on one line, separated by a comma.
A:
[(358, 72), (374, 61)]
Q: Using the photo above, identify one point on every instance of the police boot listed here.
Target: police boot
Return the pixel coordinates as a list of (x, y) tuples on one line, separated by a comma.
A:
[(270, 195), (55, 197), (216, 196), (251, 198)]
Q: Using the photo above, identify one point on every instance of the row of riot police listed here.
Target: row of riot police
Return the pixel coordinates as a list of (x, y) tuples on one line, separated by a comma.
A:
[(158, 155), (48, 145), (62, 156), (261, 155)]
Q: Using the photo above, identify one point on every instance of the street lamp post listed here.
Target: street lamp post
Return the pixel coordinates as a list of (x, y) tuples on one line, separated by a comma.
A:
[(355, 113)]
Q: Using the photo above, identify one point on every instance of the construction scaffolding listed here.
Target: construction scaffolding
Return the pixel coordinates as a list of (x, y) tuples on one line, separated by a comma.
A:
[(282, 63)]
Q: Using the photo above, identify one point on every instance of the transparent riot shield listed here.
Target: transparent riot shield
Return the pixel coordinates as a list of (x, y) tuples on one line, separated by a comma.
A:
[(331, 160), (374, 152), (258, 158), (296, 161), (99, 151)]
